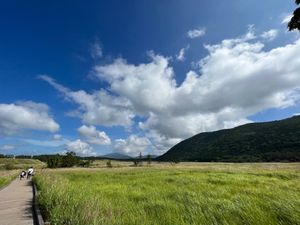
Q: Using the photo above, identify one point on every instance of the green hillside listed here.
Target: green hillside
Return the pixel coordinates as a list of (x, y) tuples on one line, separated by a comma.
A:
[(254, 142), (11, 164)]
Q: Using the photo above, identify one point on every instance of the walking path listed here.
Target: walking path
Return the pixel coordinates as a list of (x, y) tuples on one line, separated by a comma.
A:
[(16, 203)]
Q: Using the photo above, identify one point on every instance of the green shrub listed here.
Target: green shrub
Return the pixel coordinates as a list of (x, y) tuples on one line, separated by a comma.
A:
[(108, 164), (54, 161), (85, 163), (9, 166), (69, 160)]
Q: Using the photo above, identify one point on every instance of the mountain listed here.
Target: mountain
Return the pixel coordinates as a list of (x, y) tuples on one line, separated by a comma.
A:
[(254, 142), (116, 156), (144, 157)]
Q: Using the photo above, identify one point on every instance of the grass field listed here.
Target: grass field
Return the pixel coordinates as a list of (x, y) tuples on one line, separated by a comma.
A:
[(184, 194)]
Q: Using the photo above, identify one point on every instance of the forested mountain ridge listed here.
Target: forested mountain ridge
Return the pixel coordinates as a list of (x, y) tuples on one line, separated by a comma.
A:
[(254, 142)]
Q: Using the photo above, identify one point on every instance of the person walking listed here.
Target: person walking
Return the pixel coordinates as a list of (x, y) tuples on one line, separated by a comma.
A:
[(22, 174), (30, 172)]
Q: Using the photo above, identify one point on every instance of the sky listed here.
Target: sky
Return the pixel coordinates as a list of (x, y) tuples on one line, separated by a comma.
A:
[(96, 77)]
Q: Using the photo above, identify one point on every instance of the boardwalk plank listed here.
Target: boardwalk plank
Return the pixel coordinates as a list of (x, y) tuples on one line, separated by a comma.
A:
[(16, 203)]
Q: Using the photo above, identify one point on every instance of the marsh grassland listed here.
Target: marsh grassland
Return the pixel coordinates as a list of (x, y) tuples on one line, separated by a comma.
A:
[(194, 193)]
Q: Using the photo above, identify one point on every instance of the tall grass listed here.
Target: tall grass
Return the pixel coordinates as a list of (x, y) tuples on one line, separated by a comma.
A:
[(7, 176), (171, 196)]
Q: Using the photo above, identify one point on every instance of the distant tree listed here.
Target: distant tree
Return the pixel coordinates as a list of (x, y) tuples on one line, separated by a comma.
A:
[(23, 157), (174, 161), (140, 159), (295, 20), (149, 159), (54, 161), (70, 160), (108, 164), (135, 162), (85, 163)]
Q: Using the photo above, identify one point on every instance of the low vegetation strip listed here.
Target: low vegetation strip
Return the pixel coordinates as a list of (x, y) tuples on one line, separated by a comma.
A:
[(13, 164), (6, 177), (170, 196)]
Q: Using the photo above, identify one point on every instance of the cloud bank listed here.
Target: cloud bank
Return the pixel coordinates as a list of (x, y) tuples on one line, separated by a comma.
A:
[(133, 145), (236, 79), (16, 117), (81, 148), (93, 136)]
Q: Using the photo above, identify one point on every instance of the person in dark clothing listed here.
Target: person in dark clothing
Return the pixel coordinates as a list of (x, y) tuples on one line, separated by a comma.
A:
[(22, 174)]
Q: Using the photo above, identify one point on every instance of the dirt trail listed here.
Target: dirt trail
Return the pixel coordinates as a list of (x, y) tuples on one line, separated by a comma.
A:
[(16, 203)]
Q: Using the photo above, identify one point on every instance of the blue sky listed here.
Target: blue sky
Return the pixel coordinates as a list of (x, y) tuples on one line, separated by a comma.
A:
[(97, 77)]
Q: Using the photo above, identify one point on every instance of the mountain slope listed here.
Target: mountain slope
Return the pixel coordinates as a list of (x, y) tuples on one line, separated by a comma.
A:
[(116, 156), (254, 142)]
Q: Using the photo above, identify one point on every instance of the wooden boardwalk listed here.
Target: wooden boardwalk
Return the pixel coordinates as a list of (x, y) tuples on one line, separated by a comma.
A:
[(16, 203)]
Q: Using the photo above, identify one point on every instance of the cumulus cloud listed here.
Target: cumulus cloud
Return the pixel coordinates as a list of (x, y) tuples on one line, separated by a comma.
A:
[(133, 145), (80, 148), (238, 78), (161, 143), (146, 87), (181, 55), (97, 108), (199, 32), (16, 117), (93, 136), (270, 34)]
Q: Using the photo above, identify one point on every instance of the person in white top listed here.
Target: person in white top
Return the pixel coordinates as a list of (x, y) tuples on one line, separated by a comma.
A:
[(30, 172)]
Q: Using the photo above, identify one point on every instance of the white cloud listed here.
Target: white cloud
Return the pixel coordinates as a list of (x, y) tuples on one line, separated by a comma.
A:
[(199, 32), (161, 143), (94, 136), (57, 137), (97, 108), (16, 117), (56, 141), (146, 87), (133, 145), (7, 147), (286, 19), (80, 148), (270, 34), (181, 55), (46, 143), (237, 79), (96, 50)]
